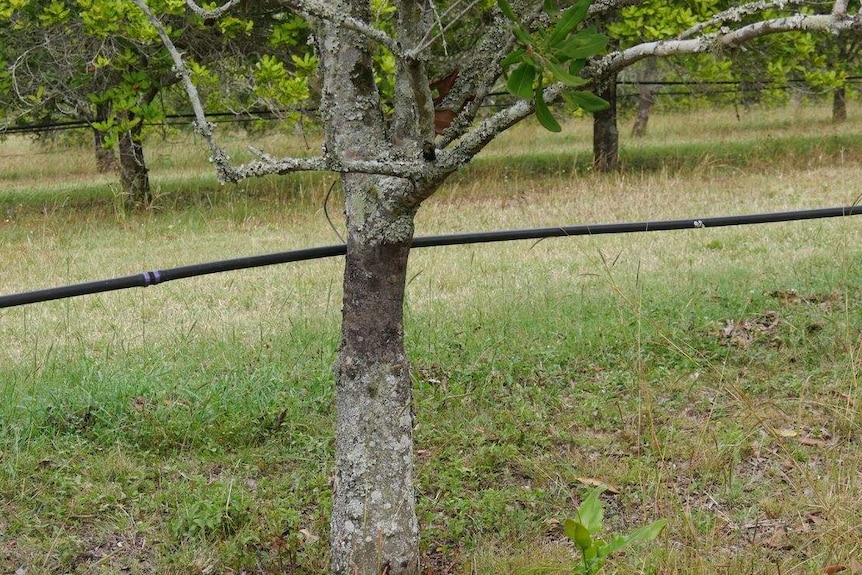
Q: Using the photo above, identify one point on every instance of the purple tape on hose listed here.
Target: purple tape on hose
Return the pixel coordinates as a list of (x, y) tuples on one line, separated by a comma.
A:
[(152, 278)]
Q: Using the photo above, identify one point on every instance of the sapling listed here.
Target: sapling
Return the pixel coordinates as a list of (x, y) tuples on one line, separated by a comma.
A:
[(584, 531)]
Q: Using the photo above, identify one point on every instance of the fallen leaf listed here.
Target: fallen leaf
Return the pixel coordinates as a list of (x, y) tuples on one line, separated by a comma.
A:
[(786, 433), (592, 482), (815, 517), (779, 540), (832, 569), (812, 442), (553, 524), (743, 332), (785, 297), (855, 566)]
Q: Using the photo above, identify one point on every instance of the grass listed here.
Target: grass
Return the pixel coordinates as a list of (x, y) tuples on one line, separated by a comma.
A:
[(709, 377)]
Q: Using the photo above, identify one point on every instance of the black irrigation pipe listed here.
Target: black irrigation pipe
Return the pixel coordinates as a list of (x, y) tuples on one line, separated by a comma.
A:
[(147, 279)]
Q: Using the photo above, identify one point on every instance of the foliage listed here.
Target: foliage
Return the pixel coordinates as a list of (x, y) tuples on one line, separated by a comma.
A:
[(101, 61), (212, 513), (558, 53), (584, 533)]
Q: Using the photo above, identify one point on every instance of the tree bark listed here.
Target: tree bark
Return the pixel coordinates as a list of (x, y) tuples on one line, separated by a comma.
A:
[(606, 138), (374, 526), (374, 529), (839, 105), (646, 98), (105, 160), (134, 175)]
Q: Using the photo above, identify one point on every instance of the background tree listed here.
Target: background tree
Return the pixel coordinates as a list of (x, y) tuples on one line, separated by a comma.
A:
[(652, 21), (392, 156), (765, 70), (831, 62), (101, 62)]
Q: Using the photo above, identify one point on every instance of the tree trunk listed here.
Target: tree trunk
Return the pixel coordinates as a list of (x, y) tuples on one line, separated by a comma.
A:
[(374, 526), (646, 98), (134, 175), (839, 105), (105, 160), (606, 139)]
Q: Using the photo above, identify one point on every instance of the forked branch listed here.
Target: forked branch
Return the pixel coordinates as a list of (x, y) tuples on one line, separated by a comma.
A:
[(326, 11), (267, 164), (215, 12)]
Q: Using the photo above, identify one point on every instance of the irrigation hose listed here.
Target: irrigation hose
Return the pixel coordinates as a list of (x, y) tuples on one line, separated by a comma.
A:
[(151, 278)]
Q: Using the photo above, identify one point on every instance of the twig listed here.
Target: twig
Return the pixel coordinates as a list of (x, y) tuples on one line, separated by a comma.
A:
[(203, 127), (215, 12), (325, 11)]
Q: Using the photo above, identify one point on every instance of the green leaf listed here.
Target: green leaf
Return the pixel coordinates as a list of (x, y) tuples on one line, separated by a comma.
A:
[(569, 529), (582, 45), (507, 11), (550, 7), (546, 119), (649, 532), (645, 533), (523, 36), (588, 101), (563, 75), (578, 534), (514, 56), (521, 81), (590, 511), (567, 22)]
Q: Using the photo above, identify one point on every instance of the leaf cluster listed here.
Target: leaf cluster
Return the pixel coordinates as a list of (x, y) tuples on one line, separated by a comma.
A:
[(555, 53)]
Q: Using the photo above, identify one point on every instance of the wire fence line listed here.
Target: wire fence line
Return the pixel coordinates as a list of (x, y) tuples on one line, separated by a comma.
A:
[(746, 87), (151, 278)]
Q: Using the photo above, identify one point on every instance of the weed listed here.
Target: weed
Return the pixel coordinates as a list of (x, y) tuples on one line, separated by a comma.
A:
[(584, 533)]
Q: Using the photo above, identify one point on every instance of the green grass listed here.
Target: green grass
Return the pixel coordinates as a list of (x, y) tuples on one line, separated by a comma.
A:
[(187, 428)]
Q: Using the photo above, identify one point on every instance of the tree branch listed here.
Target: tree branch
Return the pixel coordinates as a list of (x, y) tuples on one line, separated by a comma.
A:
[(428, 40), (839, 9), (735, 14), (724, 38), (218, 156), (215, 12), (325, 11), (268, 165), (473, 142)]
